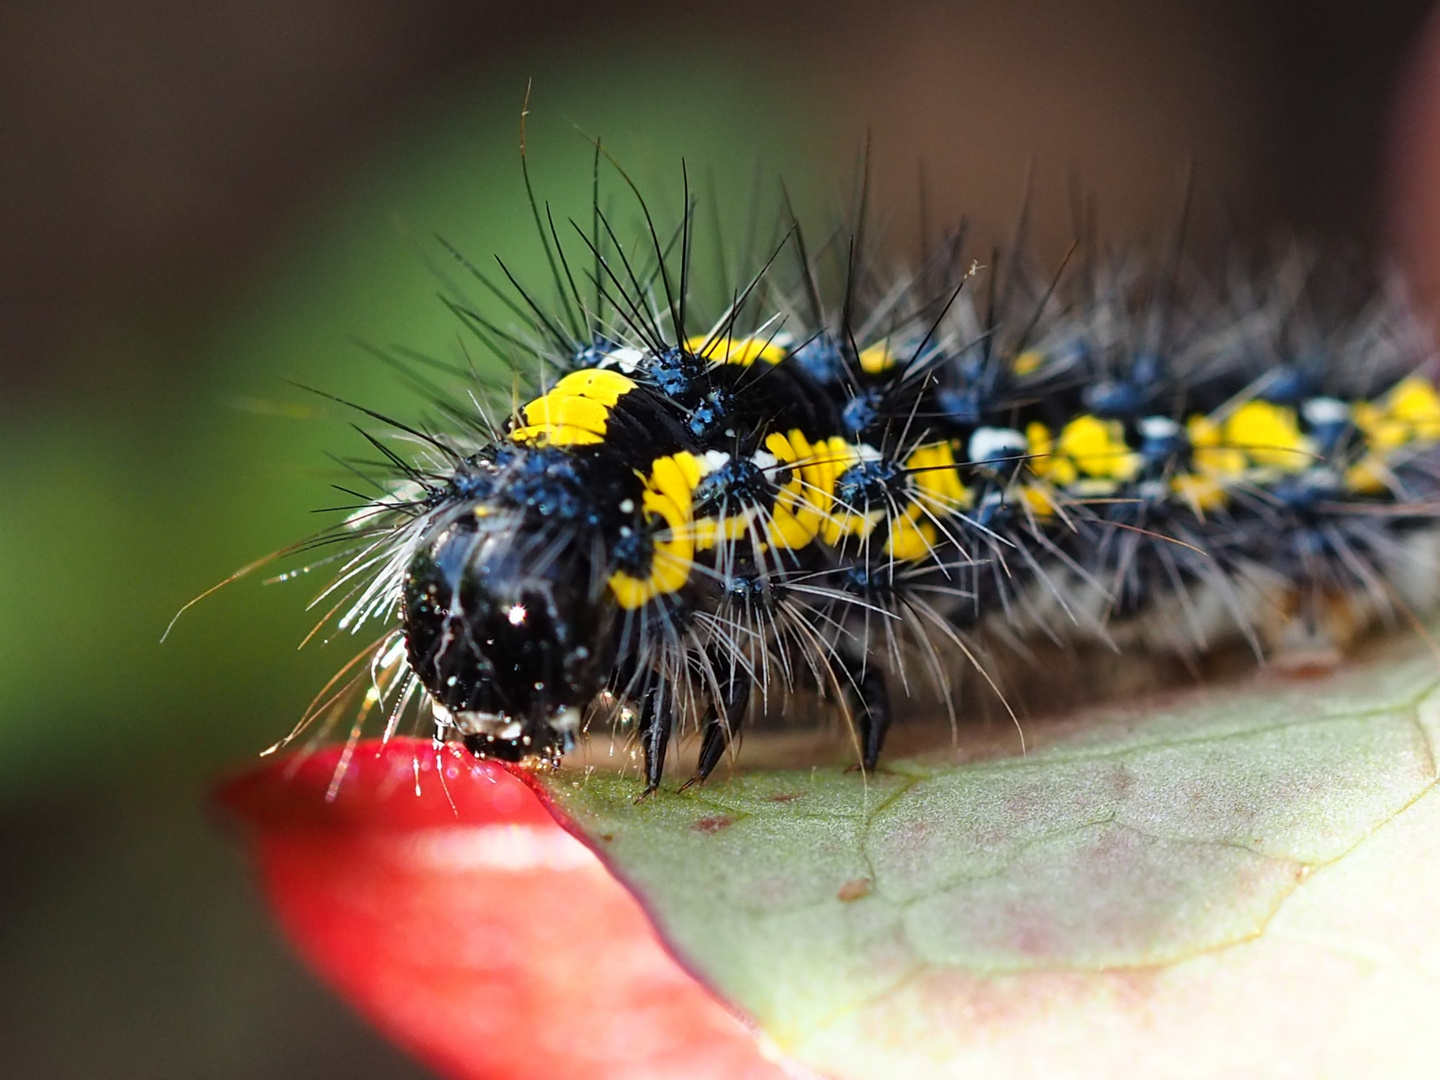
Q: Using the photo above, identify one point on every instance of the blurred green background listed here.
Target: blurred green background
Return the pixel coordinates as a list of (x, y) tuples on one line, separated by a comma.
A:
[(200, 204)]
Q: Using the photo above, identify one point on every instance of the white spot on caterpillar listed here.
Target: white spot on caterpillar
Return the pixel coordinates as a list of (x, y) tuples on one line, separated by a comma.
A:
[(1323, 479), (1158, 427), (996, 444), (1319, 411), (713, 461), (626, 358), (764, 460)]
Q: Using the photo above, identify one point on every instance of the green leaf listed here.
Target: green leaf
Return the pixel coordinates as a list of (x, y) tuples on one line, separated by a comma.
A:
[(1242, 880)]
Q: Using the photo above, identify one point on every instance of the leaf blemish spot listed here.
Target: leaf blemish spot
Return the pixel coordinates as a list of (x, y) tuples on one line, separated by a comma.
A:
[(853, 890), (712, 824)]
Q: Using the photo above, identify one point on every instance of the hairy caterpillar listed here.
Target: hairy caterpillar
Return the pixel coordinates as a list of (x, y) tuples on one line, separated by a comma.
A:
[(841, 480)]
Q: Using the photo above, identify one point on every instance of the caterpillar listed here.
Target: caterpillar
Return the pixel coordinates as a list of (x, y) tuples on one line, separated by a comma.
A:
[(854, 482)]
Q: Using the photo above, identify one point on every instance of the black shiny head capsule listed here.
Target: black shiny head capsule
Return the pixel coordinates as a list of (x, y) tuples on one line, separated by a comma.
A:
[(503, 625)]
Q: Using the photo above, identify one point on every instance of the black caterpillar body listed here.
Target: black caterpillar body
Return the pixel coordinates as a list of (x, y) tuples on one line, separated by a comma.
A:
[(700, 510)]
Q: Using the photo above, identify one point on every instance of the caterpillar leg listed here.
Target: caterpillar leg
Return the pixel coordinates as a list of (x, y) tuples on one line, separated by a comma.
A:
[(721, 723), (656, 720), (869, 701), (656, 723)]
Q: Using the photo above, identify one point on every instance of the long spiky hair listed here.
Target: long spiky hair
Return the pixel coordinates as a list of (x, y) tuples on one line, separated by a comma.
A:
[(1001, 572), (604, 289)]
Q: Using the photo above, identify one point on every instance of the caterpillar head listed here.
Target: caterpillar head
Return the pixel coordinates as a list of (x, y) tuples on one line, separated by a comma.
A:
[(504, 628)]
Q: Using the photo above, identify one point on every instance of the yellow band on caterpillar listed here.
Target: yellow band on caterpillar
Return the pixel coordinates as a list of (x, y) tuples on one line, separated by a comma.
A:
[(1218, 463), (1409, 413), (1203, 493), (804, 499), (934, 471), (668, 497), (576, 412), (1088, 447), (911, 538), (844, 520), (803, 481), (878, 358), (1407, 416), (741, 351), (1269, 435), (1028, 362)]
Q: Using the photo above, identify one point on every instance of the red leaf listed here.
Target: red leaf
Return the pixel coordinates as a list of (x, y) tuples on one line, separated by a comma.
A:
[(470, 927)]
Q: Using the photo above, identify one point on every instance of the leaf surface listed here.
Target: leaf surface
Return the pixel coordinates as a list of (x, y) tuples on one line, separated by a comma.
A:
[(1244, 881)]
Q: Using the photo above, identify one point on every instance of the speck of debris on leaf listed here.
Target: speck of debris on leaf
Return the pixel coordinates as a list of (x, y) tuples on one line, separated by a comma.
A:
[(713, 824)]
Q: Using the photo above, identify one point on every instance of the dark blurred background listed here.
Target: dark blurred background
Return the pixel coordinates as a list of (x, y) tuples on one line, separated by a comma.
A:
[(199, 202)]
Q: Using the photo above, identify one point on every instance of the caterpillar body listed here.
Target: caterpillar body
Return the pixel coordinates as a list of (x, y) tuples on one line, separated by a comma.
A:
[(849, 488)]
